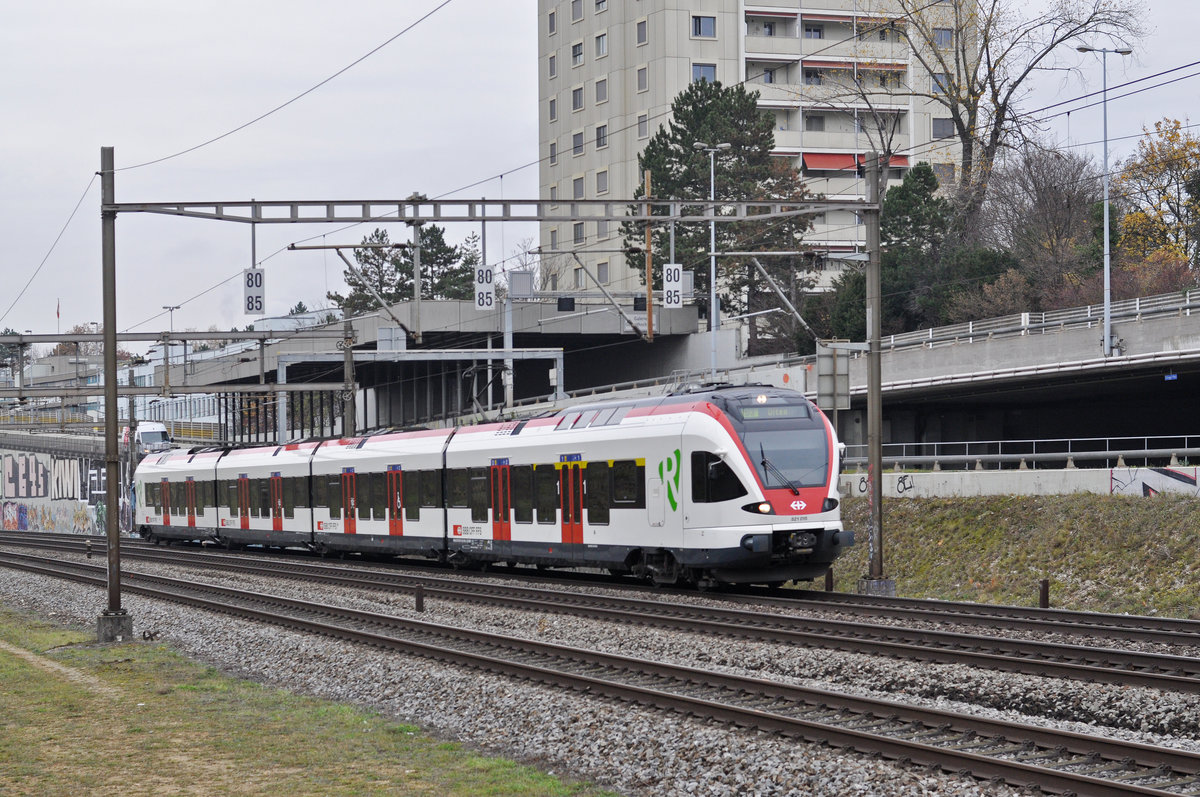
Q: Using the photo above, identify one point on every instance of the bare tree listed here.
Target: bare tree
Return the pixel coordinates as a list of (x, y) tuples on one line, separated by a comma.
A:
[(977, 59), (1040, 207)]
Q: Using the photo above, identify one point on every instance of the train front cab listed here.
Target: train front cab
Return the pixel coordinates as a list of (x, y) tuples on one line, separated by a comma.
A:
[(763, 507)]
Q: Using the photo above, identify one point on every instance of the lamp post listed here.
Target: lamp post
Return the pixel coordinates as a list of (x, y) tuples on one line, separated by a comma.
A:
[(1083, 48), (713, 312)]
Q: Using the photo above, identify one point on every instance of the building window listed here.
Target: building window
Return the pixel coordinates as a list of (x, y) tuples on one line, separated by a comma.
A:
[(553, 239), (643, 126), (943, 128), (643, 79), (577, 144), (576, 10), (601, 136), (577, 99), (551, 23), (768, 28), (706, 72), (602, 182), (943, 38), (643, 33), (577, 232), (602, 45), (577, 188), (768, 76), (812, 77), (941, 82), (553, 109), (602, 272), (578, 278), (553, 194), (576, 53), (814, 123), (553, 152), (553, 66), (602, 224), (602, 90), (814, 31), (601, 5), (944, 173), (704, 27), (883, 34)]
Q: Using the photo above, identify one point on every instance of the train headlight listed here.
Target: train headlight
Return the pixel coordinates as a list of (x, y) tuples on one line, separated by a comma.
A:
[(829, 505), (760, 508)]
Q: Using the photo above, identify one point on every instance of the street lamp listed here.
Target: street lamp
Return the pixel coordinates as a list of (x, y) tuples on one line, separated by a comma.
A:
[(713, 311), (1083, 48)]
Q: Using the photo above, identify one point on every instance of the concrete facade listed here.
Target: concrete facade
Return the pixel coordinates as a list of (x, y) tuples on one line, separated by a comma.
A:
[(829, 72), (1101, 481)]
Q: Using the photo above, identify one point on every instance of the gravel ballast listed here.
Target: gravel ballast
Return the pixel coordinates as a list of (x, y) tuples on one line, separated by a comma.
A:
[(626, 748)]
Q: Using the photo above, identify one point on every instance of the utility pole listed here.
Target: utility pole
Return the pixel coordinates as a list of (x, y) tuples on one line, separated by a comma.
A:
[(114, 623), (346, 344), (875, 583), (649, 270)]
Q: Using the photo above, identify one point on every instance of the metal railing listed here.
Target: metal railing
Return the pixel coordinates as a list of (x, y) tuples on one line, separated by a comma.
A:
[(1086, 451)]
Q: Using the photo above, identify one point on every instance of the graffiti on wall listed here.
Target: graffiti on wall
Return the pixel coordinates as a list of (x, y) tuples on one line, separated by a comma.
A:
[(43, 492), (1152, 481)]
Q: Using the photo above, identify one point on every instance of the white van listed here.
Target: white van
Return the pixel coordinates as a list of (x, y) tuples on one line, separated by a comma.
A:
[(151, 437)]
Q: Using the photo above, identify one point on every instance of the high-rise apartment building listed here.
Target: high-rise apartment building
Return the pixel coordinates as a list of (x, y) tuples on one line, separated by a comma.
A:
[(836, 75)]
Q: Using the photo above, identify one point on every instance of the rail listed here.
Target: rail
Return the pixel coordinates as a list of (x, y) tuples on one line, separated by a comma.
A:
[(1098, 452)]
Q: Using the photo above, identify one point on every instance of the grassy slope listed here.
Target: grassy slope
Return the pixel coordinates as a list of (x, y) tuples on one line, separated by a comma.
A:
[(1101, 553)]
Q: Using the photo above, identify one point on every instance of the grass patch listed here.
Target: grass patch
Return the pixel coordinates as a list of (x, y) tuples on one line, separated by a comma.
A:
[(1100, 553), (138, 719)]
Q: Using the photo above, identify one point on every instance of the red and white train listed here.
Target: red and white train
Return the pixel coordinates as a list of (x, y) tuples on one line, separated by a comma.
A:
[(724, 485)]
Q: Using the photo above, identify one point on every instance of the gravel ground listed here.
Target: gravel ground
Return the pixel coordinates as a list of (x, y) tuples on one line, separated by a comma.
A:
[(628, 749)]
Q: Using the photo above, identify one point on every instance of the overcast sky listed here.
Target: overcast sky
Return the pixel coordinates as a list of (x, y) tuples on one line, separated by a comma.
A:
[(446, 105)]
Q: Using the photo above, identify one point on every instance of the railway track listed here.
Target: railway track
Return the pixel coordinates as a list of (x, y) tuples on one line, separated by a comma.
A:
[(1026, 656), (1019, 754)]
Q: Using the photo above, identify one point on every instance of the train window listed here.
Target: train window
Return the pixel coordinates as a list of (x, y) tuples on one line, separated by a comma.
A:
[(478, 494), (712, 479), (521, 477), (377, 495), (545, 493), (627, 485), (318, 489), (264, 497), (177, 496), (333, 494), (457, 485), (291, 486), (431, 488), (598, 489), (229, 494), (412, 500)]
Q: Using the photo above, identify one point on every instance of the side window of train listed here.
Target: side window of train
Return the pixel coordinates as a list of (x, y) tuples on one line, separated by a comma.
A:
[(264, 497), (521, 477), (545, 493), (378, 495), (457, 480), (291, 486), (477, 494), (333, 494), (412, 495), (712, 479), (628, 484), (431, 488), (598, 489)]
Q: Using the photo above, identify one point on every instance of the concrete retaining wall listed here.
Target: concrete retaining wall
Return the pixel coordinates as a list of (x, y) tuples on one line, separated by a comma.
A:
[(946, 484)]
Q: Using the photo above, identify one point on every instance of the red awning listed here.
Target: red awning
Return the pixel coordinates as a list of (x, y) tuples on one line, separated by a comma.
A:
[(829, 161), (897, 160)]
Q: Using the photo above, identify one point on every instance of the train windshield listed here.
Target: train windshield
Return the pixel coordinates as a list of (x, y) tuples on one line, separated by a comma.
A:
[(786, 443)]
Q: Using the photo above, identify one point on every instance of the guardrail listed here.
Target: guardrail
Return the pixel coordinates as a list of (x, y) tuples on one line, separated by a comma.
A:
[(1108, 452)]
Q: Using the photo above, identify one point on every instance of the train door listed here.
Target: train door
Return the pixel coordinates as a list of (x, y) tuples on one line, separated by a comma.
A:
[(498, 478), (395, 500), (166, 502), (189, 498), (243, 494), (350, 501), (570, 492), (276, 487)]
